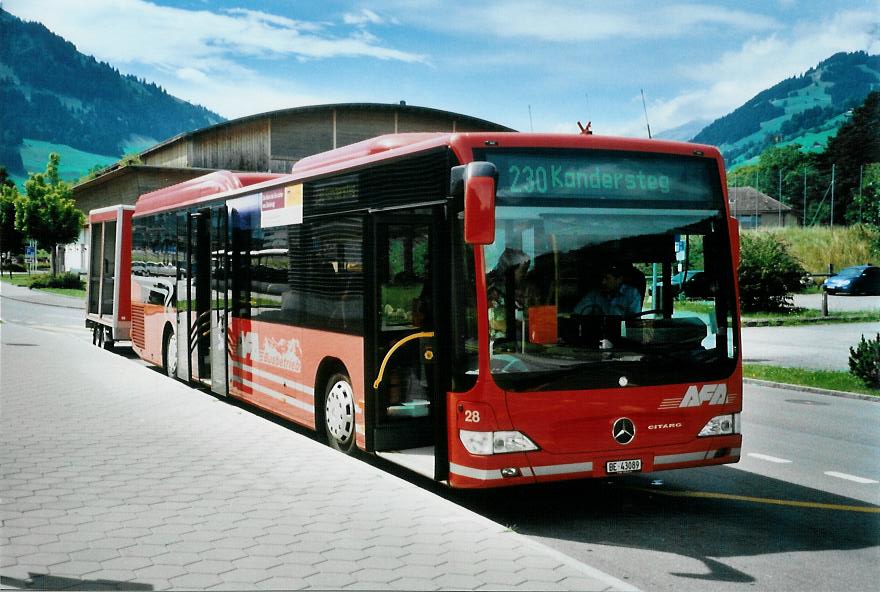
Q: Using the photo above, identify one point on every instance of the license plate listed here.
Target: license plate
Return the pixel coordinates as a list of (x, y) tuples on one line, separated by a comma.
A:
[(623, 466)]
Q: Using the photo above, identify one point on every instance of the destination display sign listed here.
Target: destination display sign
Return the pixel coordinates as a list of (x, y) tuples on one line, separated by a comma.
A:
[(612, 176)]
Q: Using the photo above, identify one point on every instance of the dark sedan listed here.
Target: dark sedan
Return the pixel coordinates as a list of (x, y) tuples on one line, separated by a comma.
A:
[(859, 279)]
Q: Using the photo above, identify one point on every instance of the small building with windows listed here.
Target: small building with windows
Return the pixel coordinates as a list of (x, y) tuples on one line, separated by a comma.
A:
[(754, 209)]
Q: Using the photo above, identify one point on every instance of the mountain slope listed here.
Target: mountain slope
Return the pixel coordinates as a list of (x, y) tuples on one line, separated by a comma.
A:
[(52, 93), (805, 109)]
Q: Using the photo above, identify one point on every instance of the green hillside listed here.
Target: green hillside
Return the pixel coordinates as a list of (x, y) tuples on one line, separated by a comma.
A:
[(804, 110), (52, 94), (35, 154)]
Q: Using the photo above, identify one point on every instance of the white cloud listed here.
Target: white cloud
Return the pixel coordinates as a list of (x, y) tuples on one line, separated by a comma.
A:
[(137, 31), (251, 94), (760, 63), (199, 55), (364, 17), (567, 21)]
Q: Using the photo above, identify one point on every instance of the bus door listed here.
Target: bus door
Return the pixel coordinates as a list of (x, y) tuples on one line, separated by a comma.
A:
[(406, 283), (203, 299)]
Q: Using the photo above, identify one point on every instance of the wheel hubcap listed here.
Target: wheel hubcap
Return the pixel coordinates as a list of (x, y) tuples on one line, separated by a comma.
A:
[(340, 411), (172, 355)]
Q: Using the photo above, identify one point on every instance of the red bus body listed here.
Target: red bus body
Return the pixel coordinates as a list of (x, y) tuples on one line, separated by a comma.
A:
[(283, 367)]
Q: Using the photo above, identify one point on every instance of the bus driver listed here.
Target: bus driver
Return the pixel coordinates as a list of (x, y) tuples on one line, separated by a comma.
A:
[(612, 297)]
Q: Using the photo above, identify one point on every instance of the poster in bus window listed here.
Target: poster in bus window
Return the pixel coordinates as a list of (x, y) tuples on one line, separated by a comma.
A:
[(281, 206)]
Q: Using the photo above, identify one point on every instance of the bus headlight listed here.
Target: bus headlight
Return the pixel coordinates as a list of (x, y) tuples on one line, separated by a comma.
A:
[(721, 425), (485, 443)]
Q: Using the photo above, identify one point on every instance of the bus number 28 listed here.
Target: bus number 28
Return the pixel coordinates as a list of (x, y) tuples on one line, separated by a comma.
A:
[(471, 416)]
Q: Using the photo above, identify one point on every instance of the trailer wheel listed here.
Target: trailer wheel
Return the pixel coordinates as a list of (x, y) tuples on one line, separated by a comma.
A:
[(107, 339), (170, 354), (97, 334), (339, 413)]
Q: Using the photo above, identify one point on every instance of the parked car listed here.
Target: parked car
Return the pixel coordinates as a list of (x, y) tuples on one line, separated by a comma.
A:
[(696, 285), (859, 279)]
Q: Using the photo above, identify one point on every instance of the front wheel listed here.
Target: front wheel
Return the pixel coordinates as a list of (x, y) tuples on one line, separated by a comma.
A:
[(170, 349), (339, 413)]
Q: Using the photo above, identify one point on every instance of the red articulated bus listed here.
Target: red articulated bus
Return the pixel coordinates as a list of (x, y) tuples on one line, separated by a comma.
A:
[(487, 309)]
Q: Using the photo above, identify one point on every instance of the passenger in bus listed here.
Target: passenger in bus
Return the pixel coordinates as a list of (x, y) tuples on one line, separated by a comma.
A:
[(611, 297)]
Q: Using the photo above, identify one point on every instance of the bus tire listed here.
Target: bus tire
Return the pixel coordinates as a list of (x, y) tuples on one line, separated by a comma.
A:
[(339, 413), (169, 354)]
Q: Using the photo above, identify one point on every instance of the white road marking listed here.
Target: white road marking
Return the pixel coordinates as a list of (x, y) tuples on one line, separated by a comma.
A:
[(768, 458), (849, 477)]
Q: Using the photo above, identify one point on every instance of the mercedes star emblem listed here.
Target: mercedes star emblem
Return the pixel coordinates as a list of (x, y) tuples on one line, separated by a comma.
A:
[(624, 430)]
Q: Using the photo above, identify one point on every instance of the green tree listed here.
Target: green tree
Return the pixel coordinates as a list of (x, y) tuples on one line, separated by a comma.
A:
[(46, 212), (11, 240), (856, 145), (866, 202)]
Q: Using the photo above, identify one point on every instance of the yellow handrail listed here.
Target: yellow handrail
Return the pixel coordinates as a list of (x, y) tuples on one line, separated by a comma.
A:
[(394, 348)]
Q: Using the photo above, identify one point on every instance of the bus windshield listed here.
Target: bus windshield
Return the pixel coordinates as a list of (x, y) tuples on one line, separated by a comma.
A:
[(605, 288)]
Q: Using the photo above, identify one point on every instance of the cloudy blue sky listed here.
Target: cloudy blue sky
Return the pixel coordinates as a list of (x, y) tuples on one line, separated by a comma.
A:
[(565, 60)]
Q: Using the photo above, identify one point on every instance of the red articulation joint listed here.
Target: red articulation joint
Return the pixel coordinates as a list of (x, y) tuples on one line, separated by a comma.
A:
[(586, 131)]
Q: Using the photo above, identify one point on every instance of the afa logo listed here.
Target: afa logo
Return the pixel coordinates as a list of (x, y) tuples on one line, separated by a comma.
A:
[(713, 394), (281, 353)]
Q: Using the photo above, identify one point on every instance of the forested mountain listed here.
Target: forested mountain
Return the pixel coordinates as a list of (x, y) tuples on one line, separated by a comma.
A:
[(806, 109), (52, 93)]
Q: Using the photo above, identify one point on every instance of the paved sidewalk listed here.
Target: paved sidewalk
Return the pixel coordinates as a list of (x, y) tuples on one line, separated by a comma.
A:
[(115, 477)]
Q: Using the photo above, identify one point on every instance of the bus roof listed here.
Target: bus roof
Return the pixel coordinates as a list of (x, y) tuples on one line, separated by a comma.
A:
[(463, 144), (193, 189), (392, 146)]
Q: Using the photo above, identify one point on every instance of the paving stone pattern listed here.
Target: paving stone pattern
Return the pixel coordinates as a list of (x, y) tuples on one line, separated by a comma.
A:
[(115, 477)]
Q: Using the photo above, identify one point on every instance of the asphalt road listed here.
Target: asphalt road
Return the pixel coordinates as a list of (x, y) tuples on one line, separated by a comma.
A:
[(806, 346), (838, 303)]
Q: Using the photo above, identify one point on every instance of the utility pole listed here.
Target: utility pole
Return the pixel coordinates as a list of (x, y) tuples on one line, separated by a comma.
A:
[(735, 199), (779, 218), (861, 170), (832, 196), (805, 196), (531, 127), (757, 195)]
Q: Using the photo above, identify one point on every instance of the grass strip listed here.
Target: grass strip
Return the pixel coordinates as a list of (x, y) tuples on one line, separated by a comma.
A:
[(73, 293), (808, 317), (24, 281), (826, 379)]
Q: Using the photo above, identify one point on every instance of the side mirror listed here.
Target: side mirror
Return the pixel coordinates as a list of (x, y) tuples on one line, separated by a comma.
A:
[(733, 229), (478, 180)]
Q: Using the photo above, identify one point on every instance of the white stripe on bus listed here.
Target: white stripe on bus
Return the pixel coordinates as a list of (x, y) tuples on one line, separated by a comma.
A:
[(275, 378), (483, 474), (692, 456), (274, 394)]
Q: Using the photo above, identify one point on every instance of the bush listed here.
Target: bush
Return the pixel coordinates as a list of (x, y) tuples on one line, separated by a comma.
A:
[(768, 273), (864, 361), (62, 280)]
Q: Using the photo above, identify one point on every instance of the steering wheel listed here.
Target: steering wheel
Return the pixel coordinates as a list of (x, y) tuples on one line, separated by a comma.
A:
[(636, 315)]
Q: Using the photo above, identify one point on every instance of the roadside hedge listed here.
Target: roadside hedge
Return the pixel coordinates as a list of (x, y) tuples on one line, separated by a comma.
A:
[(768, 273)]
